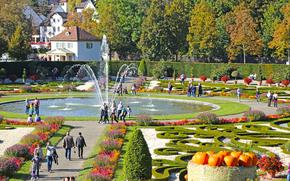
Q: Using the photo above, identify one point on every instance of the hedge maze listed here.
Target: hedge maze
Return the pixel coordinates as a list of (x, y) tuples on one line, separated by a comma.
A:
[(184, 141)]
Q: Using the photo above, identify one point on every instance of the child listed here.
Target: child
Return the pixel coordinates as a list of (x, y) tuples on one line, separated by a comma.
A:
[(55, 156), (29, 119), (129, 110), (35, 167)]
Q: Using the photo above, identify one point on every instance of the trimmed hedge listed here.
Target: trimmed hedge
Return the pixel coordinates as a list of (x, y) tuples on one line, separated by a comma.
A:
[(138, 161)]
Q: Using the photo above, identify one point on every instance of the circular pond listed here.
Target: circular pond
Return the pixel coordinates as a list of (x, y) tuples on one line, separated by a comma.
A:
[(88, 106)]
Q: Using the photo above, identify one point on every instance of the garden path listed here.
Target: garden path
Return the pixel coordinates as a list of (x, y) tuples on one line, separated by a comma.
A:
[(91, 132)]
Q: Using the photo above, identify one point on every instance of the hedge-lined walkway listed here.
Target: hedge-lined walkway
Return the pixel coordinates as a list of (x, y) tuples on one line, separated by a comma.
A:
[(91, 132)]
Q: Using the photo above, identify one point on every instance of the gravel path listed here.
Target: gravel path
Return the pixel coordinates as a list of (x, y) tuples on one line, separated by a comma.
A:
[(11, 137), (91, 132)]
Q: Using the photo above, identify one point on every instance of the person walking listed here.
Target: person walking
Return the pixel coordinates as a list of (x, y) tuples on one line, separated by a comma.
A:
[(68, 144), (199, 90), (275, 99), (38, 151), (129, 111), (193, 91), (189, 89), (27, 106), (258, 97), (123, 115), (49, 158), (113, 113), (106, 113), (170, 87), (288, 173), (102, 113), (270, 97), (182, 78), (133, 89), (119, 109), (36, 161), (239, 94), (36, 103), (80, 143)]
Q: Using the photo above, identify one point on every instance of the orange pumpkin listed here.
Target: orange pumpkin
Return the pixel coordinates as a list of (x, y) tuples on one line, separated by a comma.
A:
[(214, 160), (245, 160), (236, 154), (253, 157), (186, 177), (231, 161), (210, 152), (200, 158), (222, 155)]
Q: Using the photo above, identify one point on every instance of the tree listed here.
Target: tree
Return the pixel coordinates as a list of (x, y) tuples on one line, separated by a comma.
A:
[(280, 41), (243, 34), (178, 16), (3, 46), (155, 41), (138, 161), (18, 45), (202, 30), (2, 74), (72, 4), (24, 76), (142, 69)]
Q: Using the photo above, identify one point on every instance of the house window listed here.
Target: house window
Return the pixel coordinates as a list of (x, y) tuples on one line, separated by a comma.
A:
[(89, 45), (57, 45), (69, 45), (58, 28), (63, 45)]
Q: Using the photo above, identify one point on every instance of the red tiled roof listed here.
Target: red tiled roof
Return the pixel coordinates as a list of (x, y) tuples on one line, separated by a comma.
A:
[(74, 33)]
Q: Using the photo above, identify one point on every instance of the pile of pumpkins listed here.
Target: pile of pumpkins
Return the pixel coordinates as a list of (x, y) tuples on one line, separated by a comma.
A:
[(225, 158)]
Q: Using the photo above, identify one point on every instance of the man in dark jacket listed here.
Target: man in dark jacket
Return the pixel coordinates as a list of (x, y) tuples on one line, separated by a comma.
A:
[(80, 143), (68, 144)]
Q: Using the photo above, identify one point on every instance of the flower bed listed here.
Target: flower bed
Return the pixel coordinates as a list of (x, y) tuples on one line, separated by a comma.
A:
[(15, 155), (106, 160)]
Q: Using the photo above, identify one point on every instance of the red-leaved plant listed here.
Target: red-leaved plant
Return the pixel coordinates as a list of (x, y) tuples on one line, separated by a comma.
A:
[(225, 78), (271, 165), (270, 81), (203, 78), (285, 82), (247, 80)]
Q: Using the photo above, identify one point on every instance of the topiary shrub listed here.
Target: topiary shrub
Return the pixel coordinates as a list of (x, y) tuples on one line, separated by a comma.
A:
[(144, 120), (208, 117), (142, 68), (255, 115), (138, 161), (283, 110)]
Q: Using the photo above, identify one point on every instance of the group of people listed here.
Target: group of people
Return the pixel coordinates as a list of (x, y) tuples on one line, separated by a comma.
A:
[(52, 156), (194, 91), (118, 112), (120, 90), (272, 97), (31, 107)]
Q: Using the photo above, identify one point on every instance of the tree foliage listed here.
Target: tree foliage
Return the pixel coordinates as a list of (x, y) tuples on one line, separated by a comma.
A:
[(142, 69)]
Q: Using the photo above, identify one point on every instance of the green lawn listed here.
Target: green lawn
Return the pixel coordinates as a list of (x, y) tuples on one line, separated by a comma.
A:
[(24, 172)]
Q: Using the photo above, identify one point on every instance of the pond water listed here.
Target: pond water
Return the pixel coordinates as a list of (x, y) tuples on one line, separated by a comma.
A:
[(88, 106)]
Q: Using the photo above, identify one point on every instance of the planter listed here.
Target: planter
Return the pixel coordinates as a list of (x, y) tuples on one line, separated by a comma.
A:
[(222, 173)]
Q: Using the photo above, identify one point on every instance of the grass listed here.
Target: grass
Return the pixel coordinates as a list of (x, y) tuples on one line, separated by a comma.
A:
[(24, 172), (226, 107), (88, 164)]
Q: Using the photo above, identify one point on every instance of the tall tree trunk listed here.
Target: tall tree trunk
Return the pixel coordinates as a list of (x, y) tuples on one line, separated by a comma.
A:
[(244, 52), (176, 56)]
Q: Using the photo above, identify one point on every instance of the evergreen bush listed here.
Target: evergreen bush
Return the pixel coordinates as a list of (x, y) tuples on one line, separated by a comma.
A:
[(142, 69), (138, 161)]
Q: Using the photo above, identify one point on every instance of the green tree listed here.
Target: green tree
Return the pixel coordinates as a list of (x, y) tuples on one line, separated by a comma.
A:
[(155, 41), (243, 34), (24, 76), (138, 161), (178, 16), (3, 46), (142, 69), (18, 45), (280, 41), (202, 31)]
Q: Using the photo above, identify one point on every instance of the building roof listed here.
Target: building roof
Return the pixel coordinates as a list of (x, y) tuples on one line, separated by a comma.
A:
[(74, 33)]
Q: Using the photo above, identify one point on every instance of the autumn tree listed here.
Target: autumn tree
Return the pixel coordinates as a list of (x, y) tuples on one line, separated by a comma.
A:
[(281, 39), (155, 41), (72, 4), (178, 16), (19, 44), (202, 31), (243, 34)]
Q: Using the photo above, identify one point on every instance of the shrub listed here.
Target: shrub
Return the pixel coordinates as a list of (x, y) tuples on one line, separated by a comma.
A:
[(30, 139), (18, 151), (26, 88), (203, 78), (235, 74), (142, 69), (34, 77), (285, 82), (287, 146), (42, 128), (137, 161), (271, 165), (247, 80), (54, 120), (111, 144), (13, 77), (208, 117), (270, 81), (116, 134), (225, 78), (159, 70), (101, 174), (283, 110), (144, 120), (9, 165), (255, 115)]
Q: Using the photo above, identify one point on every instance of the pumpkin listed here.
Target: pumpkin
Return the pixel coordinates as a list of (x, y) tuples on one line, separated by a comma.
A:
[(231, 161), (214, 160), (245, 160), (222, 155), (253, 157), (200, 158), (236, 154), (210, 152), (186, 177)]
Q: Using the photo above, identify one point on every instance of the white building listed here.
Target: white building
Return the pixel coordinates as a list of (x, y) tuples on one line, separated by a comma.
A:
[(74, 44)]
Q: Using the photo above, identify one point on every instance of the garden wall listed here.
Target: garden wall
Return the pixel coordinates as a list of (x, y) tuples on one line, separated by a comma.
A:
[(188, 68)]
